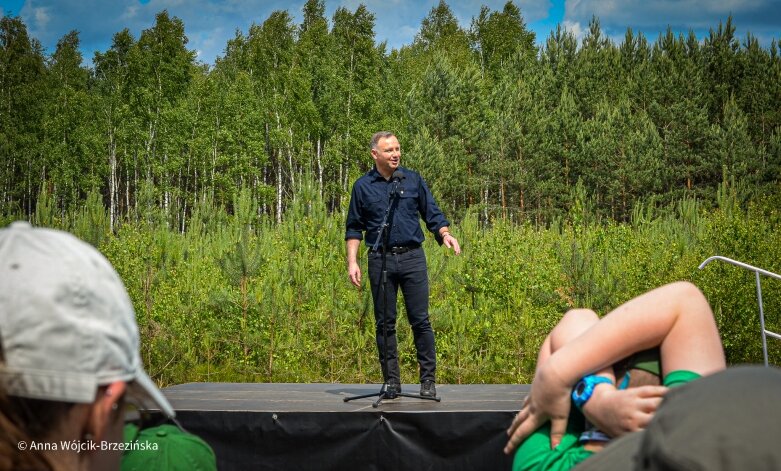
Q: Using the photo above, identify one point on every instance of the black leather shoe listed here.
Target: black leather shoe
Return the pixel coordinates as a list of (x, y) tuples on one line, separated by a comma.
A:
[(428, 389), (391, 389)]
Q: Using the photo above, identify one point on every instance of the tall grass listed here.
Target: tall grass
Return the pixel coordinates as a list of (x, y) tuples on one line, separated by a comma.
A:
[(236, 297)]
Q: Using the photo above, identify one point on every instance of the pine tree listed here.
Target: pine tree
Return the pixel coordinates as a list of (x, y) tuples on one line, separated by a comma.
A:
[(449, 104), (721, 66), (517, 109), (754, 93), (498, 36), (730, 148), (440, 30), (557, 60), (596, 70), (679, 110)]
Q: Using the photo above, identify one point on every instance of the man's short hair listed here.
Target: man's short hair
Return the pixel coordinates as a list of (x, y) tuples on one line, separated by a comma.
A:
[(379, 135)]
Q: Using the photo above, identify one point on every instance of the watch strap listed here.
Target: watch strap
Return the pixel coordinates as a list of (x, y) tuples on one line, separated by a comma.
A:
[(583, 390)]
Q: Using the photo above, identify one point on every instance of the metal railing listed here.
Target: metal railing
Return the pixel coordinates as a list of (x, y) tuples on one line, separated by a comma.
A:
[(757, 272)]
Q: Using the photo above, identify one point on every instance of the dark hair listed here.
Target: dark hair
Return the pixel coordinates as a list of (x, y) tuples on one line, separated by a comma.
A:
[(18, 423), (379, 135), (24, 420)]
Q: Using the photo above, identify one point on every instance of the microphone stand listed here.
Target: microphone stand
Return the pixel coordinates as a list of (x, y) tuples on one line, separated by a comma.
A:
[(384, 235)]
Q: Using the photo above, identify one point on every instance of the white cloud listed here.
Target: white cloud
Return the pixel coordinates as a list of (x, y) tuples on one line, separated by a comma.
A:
[(41, 18), (653, 17), (575, 28), (534, 10), (352, 5), (130, 12), (679, 14)]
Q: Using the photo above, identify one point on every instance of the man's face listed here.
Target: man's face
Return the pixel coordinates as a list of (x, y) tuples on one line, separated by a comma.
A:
[(387, 155)]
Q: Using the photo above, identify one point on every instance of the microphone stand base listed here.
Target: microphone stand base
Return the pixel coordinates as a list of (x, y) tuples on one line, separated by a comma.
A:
[(383, 395)]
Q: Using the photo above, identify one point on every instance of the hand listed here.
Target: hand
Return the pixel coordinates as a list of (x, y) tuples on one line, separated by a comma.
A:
[(549, 399), (354, 272), (451, 243), (516, 423), (618, 412)]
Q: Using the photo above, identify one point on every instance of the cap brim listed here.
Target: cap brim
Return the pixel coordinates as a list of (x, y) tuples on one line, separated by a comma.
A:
[(144, 388), (619, 455)]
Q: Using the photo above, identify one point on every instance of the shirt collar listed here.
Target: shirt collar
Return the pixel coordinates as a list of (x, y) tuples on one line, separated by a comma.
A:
[(376, 175)]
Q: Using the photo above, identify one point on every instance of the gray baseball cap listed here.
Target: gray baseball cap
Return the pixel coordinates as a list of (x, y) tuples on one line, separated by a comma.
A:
[(67, 324)]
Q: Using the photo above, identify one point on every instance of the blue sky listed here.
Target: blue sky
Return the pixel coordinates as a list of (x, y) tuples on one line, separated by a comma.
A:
[(210, 23)]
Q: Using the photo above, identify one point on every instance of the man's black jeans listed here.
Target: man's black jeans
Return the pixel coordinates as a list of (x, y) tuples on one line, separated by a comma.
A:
[(406, 271)]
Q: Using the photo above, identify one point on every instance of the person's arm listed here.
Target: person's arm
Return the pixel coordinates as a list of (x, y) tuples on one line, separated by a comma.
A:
[(613, 411), (353, 269), (675, 317), (618, 412), (435, 219), (355, 225)]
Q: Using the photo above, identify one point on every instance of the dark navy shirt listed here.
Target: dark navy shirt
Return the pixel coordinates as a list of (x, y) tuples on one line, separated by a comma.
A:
[(369, 202)]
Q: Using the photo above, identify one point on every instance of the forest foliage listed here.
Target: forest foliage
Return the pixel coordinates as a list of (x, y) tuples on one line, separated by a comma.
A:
[(577, 173)]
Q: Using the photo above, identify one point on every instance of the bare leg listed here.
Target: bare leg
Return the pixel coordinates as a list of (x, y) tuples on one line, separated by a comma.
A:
[(693, 342), (572, 324)]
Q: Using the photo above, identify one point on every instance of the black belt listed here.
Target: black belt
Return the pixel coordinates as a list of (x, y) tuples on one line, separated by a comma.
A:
[(398, 249)]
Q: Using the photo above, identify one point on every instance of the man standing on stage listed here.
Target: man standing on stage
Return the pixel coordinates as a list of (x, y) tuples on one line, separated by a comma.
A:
[(405, 260)]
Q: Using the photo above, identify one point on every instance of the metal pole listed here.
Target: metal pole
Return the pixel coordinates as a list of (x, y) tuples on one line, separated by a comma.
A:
[(761, 317), (757, 271)]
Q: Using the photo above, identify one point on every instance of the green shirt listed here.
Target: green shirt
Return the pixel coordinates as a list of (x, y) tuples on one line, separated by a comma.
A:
[(535, 454)]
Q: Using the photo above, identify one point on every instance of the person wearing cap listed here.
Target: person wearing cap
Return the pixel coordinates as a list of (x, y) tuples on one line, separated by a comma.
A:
[(69, 354), (372, 196), (173, 449), (575, 366)]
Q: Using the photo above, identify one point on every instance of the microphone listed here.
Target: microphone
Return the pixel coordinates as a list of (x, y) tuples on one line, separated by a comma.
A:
[(396, 178)]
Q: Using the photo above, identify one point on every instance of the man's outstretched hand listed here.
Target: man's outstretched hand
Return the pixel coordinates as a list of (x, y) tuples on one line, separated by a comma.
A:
[(451, 243)]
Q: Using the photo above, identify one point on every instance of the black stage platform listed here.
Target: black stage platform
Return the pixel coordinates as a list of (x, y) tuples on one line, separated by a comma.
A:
[(280, 426)]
